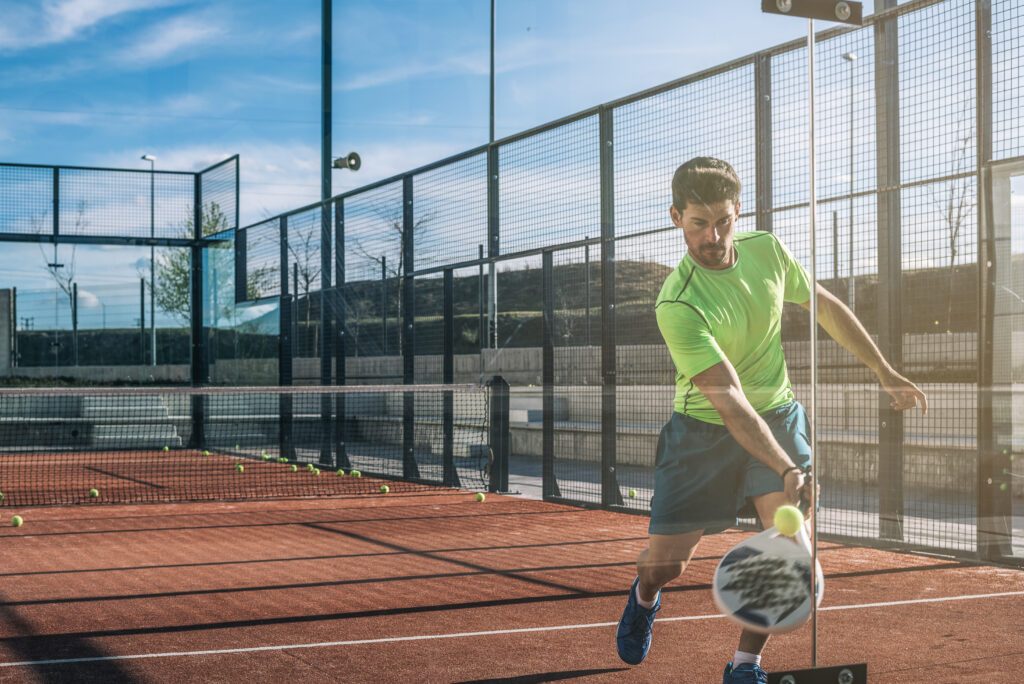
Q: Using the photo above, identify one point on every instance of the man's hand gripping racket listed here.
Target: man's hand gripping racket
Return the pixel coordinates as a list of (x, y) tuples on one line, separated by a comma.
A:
[(764, 583)]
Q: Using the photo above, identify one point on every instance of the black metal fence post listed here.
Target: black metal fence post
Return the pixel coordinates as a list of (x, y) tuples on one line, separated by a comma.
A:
[(610, 493), (451, 475), (549, 483), (200, 358), (341, 322), (500, 434), (410, 469), (890, 286), (286, 348)]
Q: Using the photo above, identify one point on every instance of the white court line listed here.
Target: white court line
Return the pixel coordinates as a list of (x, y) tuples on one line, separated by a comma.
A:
[(459, 635)]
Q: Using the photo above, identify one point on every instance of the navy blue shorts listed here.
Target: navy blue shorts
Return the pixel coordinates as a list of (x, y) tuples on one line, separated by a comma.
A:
[(703, 478)]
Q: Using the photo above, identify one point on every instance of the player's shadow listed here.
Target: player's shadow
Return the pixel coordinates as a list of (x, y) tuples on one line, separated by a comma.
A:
[(544, 676)]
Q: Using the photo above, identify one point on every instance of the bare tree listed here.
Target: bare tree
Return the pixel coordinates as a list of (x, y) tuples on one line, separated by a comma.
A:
[(955, 203), (304, 248), (63, 274), (393, 219)]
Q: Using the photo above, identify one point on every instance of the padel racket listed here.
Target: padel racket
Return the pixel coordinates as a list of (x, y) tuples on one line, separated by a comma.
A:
[(764, 583)]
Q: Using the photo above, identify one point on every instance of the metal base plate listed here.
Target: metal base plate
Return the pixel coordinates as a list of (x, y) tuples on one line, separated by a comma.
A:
[(840, 674)]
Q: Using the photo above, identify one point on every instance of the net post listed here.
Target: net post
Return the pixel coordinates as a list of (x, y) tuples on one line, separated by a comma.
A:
[(549, 485), (451, 475), (500, 435)]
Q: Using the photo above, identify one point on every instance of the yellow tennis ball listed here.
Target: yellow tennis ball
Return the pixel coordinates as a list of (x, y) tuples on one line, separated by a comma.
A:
[(316, 471), (632, 493), (309, 467), (294, 467), (480, 496), (355, 473), (239, 467), (385, 489), (206, 453), (788, 520), (167, 448), (16, 521), (341, 472), (94, 493), (1, 496)]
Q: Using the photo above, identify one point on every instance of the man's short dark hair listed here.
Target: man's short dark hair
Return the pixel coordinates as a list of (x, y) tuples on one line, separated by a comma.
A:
[(704, 180)]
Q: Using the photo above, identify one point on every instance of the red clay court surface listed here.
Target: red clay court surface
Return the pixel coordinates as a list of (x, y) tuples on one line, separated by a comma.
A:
[(435, 587)]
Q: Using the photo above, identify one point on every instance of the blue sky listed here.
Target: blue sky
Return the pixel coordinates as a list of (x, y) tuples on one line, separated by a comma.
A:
[(101, 82)]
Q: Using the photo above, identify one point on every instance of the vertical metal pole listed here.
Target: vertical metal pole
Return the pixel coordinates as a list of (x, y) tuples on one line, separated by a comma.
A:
[(74, 322), (763, 152), (500, 434), (493, 20), (152, 268), (200, 358), (286, 351), (586, 260), (835, 248), (326, 293), (340, 432), (851, 290), (410, 468), (812, 413), (493, 245), (142, 321), (610, 493), (384, 305), (549, 484), (451, 475)]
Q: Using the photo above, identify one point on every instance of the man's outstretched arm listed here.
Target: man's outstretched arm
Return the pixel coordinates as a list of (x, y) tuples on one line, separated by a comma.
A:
[(842, 325)]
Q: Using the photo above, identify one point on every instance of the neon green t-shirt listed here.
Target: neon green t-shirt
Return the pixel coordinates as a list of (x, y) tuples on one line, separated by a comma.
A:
[(708, 316)]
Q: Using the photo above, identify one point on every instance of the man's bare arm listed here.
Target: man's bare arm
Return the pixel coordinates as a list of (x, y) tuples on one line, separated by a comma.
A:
[(842, 325), (721, 386)]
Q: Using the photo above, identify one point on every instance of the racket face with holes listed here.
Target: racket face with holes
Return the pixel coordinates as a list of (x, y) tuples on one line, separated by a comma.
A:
[(764, 583)]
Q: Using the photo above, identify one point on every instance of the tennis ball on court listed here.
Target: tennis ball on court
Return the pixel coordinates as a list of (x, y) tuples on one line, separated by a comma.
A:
[(385, 489), (282, 459), (632, 493), (1, 496), (205, 452), (266, 457), (341, 472), (316, 471), (263, 452), (480, 496), (94, 493), (294, 467), (788, 520), (309, 467), (355, 473), (239, 467), (166, 448), (16, 521)]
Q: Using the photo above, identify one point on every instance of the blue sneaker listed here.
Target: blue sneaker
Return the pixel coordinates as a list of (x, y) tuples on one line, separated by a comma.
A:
[(634, 633), (747, 673)]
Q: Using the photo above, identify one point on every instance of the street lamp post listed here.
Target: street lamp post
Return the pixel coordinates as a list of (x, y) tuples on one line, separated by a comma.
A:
[(152, 264), (851, 57)]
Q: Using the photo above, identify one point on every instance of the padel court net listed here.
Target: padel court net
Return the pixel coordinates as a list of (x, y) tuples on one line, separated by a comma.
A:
[(78, 445)]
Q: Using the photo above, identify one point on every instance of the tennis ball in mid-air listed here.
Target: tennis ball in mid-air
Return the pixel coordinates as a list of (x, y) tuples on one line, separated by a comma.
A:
[(480, 496), (294, 467), (788, 520), (16, 521), (632, 493), (94, 493), (385, 489), (355, 473), (239, 467)]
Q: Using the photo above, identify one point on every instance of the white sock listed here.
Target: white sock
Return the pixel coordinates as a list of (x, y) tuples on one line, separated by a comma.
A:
[(645, 604), (741, 657)]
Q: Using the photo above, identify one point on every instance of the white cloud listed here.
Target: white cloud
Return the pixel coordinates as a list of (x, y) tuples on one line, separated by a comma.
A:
[(58, 21), (168, 39)]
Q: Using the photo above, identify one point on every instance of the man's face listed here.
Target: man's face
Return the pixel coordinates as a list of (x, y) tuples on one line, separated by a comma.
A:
[(708, 231)]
